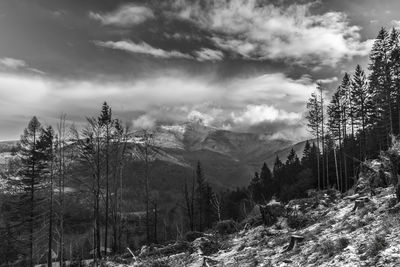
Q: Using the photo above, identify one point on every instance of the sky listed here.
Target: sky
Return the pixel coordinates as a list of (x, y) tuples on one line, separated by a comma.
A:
[(239, 65)]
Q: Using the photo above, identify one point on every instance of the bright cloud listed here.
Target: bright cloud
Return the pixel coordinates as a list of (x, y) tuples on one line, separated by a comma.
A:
[(255, 114), (125, 16), (266, 31), (144, 122), (141, 48), (204, 54), (165, 98), (12, 63)]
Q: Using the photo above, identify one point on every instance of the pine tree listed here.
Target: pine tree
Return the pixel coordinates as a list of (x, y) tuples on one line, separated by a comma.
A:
[(344, 92), (314, 118), (256, 188), (106, 123), (320, 89), (46, 145), (394, 68), (34, 161), (200, 180), (266, 181), (277, 174), (335, 127), (378, 81), (362, 103)]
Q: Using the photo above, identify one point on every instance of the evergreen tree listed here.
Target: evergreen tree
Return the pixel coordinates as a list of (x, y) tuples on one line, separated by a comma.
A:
[(362, 103), (267, 183), (201, 187), (394, 68), (34, 159), (277, 174), (106, 123), (256, 188), (379, 84), (314, 118)]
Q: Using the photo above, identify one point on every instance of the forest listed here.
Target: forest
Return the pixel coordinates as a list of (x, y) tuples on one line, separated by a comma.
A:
[(67, 193)]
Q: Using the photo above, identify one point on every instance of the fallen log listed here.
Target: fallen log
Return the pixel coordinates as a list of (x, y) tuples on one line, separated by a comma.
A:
[(168, 250), (353, 197)]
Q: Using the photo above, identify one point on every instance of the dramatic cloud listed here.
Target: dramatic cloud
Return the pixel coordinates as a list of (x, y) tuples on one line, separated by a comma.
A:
[(124, 16), (164, 98), (266, 31), (141, 48)]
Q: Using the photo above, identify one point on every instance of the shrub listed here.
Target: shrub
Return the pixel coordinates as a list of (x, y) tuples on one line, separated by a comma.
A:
[(330, 248), (298, 221), (226, 227), (327, 247), (193, 235), (377, 244), (342, 243)]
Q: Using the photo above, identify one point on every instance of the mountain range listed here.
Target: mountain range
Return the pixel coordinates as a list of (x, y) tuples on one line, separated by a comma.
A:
[(228, 159)]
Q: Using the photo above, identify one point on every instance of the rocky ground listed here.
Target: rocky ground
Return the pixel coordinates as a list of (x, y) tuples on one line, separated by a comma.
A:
[(332, 230)]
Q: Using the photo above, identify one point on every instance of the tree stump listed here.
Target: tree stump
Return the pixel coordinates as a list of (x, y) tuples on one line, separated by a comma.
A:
[(360, 203), (267, 216), (294, 240), (271, 212)]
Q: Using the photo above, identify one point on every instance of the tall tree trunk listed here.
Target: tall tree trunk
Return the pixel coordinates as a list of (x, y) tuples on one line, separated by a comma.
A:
[(107, 190), (318, 165), (322, 139), (336, 168), (31, 219), (98, 235), (147, 187), (155, 221), (50, 236)]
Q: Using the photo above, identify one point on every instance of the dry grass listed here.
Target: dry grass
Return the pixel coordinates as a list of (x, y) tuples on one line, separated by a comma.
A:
[(377, 244)]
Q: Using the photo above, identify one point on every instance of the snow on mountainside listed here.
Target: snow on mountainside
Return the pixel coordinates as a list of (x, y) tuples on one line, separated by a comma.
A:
[(229, 158)]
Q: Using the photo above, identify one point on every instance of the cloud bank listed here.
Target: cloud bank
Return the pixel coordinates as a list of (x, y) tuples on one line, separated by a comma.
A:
[(163, 99)]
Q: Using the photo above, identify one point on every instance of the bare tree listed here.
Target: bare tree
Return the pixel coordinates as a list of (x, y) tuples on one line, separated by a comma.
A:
[(216, 202)]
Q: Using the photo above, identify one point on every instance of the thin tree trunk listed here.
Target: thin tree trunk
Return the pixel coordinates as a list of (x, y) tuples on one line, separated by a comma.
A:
[(336, 168), (50, 236), (31, 226), (318, 165), (98, 238), (107, 190), (155, 222), (322, 139)]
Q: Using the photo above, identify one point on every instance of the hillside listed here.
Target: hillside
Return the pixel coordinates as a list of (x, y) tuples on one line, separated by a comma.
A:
[(229, 158), (333, 233)]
